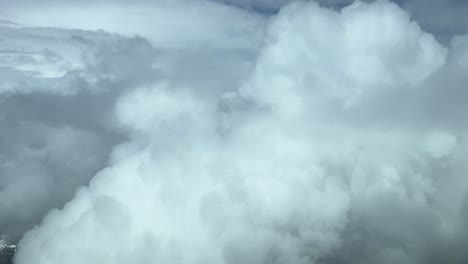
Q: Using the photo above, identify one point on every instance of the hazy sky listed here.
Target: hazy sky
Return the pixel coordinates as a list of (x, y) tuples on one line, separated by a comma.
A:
[(234, 131)]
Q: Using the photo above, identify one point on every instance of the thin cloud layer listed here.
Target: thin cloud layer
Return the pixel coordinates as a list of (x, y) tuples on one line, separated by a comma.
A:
[(312, 136)]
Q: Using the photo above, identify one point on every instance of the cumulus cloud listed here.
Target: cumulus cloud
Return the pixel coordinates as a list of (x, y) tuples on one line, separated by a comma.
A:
[(316, 135), (59, 87), (56, 94), (167, 24), (444, 19)]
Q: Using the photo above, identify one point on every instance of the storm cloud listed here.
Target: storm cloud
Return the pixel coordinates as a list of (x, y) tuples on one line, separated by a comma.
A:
[(234, 131)]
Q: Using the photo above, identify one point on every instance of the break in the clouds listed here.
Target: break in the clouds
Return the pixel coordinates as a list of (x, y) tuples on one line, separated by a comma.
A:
[(214, 132)]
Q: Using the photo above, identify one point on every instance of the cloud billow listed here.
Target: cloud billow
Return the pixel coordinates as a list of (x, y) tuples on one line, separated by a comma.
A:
[(322, 136)]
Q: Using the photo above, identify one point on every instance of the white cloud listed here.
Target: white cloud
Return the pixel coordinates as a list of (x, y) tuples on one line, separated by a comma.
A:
[(56, 79), (330, 149), (167, 24)]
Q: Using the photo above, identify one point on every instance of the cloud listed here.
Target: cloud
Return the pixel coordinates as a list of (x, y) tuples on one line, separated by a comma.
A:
[(340, 139), (444, 19), (59, 88), (167, 24), (57, 129), (272, 6)]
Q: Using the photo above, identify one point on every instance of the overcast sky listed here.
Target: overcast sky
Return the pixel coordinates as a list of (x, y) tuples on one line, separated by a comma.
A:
[(234, 131)]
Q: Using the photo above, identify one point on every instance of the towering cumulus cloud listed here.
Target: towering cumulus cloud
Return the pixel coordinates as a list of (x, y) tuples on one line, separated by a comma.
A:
[(319, 136)]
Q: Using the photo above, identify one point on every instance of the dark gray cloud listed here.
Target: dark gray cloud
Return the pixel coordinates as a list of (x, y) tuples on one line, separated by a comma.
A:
[(272, 6)]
